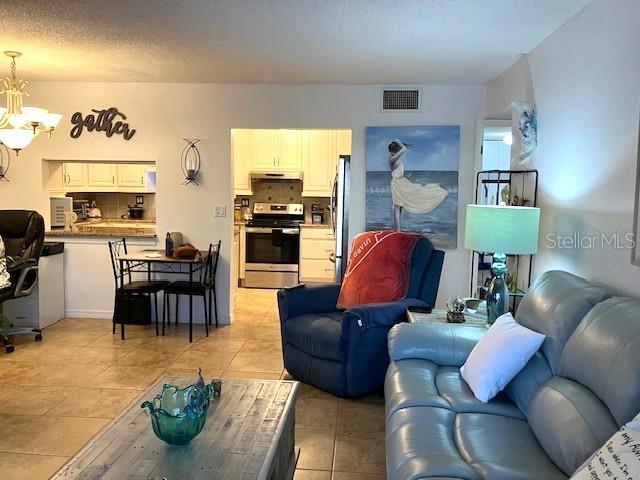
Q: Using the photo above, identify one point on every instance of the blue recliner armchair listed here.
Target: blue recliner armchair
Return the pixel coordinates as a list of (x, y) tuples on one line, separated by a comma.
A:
[(345, 351)]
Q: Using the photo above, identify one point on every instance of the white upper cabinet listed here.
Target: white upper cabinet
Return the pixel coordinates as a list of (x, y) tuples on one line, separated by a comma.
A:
[(241, 152), (276, 150), (314, 152), (319, 159), (101, 175), (265, 145), (131, 175), (320, 152), (75, 174), (289, 156)]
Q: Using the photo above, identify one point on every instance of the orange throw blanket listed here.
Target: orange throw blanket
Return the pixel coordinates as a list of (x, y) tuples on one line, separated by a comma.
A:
[(378, 268)]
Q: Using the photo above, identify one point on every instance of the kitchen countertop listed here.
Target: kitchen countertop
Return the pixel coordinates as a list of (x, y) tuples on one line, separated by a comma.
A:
[(109, 228), (315, 225)]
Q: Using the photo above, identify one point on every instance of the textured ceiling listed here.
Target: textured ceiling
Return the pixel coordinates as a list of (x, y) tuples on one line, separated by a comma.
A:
[(276, 41)]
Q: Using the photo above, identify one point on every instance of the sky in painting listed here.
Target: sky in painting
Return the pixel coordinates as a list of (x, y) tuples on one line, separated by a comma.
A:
[(433, 148)]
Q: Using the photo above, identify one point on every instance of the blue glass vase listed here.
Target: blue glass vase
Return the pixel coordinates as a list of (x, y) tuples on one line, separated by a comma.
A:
[(498, 293), (178, 415)]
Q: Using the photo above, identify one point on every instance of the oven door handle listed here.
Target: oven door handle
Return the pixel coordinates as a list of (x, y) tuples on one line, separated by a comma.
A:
[(285, 231)]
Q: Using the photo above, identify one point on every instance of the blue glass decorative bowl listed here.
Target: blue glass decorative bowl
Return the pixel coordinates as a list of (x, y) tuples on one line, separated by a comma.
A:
[(178, 414)]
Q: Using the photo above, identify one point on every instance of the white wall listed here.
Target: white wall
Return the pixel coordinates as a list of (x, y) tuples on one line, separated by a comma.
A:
[(586, 85), (164, 113)]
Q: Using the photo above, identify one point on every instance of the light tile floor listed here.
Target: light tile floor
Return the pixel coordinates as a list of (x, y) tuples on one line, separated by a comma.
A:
[(56, 395)]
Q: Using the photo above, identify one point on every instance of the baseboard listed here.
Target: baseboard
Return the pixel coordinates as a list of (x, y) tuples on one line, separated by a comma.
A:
[(101, 314), (79, 313)]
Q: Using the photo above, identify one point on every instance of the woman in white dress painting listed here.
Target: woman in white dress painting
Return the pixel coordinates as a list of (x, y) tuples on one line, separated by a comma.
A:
[(405, 194)]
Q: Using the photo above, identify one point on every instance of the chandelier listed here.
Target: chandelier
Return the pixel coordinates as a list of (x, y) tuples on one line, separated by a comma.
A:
[(19, 125)]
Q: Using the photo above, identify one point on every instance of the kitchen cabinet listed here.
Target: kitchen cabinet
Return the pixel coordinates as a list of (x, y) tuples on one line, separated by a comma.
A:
[(75, 174), (131, 175), (101, 175), (317, 249), (319, 160), (276, 150), (241, 153)]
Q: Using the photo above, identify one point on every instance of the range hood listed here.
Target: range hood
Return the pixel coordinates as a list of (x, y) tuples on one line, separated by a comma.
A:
[(297, 175)]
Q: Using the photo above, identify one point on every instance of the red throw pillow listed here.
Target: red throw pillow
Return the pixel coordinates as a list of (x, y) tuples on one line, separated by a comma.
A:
[(378, 268)]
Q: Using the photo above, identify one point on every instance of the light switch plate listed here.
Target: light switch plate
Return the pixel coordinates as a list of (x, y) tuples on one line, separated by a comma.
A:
[(220, 211)]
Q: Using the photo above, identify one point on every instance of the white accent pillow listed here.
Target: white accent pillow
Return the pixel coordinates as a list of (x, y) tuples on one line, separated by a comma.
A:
[(618, 458), (499, 356)]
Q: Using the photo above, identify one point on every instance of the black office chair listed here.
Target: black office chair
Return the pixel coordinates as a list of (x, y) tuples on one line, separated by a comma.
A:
[(204, 287), (127, 289), (22, 232)]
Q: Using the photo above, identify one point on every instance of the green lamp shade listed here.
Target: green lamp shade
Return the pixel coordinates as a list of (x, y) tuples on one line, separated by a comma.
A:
[(503, 229)]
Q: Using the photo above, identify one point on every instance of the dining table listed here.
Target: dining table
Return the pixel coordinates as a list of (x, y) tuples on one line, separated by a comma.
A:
[(154, 261)]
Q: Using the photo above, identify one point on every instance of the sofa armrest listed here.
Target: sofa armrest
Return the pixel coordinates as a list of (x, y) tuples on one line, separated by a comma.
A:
[(380, 314), (445, 344), (304, 299)]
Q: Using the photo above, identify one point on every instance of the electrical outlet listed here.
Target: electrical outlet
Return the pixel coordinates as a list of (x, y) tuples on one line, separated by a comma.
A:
[(220, 211)]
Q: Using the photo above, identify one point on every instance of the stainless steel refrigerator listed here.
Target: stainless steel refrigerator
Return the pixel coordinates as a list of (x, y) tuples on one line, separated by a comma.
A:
[(339, 214)]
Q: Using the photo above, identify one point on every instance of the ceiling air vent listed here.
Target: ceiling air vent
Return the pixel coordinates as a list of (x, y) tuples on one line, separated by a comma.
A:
[(405, 100)]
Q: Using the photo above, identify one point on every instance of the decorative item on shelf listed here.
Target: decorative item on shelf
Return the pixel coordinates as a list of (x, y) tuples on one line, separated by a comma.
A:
[(178, 415), (190, 160), (70, 219), (108, 120), (528, 128), (25, 122), (455, 310), (502, 230), (505, 195), (5, 162)]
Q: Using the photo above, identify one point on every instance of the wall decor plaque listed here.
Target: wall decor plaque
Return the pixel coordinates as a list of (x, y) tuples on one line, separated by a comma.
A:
[(108, 120)]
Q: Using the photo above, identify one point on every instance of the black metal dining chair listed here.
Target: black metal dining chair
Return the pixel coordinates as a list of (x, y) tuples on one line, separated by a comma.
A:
[(127, 289), (204, 287)]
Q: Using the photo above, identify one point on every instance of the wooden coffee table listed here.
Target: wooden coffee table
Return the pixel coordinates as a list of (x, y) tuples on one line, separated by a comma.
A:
[(249, 434)]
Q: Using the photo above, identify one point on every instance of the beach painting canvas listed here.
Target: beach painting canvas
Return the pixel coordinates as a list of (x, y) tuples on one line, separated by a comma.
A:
[(412, 181)]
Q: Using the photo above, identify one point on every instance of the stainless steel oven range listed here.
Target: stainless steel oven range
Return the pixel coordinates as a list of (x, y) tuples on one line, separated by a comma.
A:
[(273, 245)]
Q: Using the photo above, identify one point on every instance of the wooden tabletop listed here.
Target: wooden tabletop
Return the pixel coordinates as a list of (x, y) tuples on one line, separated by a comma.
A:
[(158, 256), (248, 430)]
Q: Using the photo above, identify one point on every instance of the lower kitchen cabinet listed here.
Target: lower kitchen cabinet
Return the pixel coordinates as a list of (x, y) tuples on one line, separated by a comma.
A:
[(317, 248)]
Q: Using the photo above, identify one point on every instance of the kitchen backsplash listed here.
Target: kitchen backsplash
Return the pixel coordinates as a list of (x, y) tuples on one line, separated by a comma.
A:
[(114, 205), (282, 191)]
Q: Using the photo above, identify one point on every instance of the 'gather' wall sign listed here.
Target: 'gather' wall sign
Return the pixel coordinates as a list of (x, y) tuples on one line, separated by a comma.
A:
[(107, 120)]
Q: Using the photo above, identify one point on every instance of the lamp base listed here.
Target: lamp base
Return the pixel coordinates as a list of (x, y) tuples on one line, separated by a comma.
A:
[(498, 293)]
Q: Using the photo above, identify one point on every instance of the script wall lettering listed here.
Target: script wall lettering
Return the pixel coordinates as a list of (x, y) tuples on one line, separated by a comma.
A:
[(109, 120)]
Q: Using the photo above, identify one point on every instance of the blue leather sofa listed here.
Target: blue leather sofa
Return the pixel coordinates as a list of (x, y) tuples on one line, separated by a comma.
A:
[(581, 387), (345, 351)]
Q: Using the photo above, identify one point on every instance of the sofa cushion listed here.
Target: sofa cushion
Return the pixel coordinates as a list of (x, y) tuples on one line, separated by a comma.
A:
[(502, 448), (603, 354), (415, 382), (317, 334), (569, 421), (419, 444), (554, 305)]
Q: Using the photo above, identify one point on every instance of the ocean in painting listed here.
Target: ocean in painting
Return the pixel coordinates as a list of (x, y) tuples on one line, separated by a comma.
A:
[(439, 225)]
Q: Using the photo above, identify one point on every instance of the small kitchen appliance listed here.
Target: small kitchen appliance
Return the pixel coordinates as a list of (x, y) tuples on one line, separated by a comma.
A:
[(60, 206)]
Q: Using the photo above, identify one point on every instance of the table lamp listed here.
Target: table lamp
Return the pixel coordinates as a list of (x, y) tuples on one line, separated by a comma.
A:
[(501, 230)]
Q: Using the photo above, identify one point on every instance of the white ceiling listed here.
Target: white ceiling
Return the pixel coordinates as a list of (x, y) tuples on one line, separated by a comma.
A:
[(276, 41)]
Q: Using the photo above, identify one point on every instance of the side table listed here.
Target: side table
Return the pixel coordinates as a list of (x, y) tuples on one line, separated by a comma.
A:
[(478, 318)]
